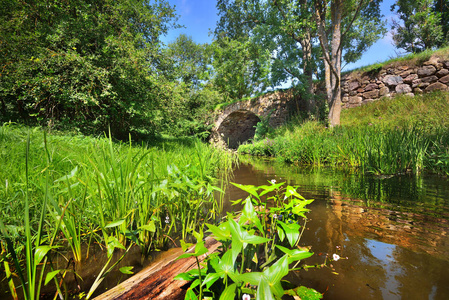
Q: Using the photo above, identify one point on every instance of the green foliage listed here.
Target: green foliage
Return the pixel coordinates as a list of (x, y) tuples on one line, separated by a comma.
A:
[(263, 127), (385, 137), (252, 260), (83, 65), (76, 190), (420, 27)]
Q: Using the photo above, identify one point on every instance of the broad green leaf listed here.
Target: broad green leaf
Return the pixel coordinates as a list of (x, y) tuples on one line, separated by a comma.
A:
[(112, 244), (277, 271), (200, 249), (115, 223), (250, 214), (184, 276), (281, 233), (295, 254), (50, 276), (291, 191), (210, 279), (229, 292), (270, 188), (305, 293), (40, 253), (252, 278), (264, 291), (149, 227), (222, 232), (190, 295), (250, 189), (127, 270), (291, 231), (185, 246)]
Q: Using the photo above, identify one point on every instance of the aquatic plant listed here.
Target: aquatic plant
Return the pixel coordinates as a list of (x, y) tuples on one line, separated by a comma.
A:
[(258, 246)]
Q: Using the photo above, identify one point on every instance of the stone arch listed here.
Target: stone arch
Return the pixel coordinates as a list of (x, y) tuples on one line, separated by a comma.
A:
[(238, 127)]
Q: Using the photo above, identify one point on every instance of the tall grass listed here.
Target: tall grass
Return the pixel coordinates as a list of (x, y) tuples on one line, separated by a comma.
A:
[(73, 190), (385, 137)]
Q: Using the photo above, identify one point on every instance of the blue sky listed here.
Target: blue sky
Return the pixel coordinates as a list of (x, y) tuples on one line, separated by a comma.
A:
[(200, 17)]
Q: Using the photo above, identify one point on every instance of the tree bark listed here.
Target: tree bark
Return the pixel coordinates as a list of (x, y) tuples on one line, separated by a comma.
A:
[(156, 281)]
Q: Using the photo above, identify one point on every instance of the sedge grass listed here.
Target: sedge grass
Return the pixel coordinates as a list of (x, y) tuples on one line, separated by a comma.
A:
[(78, 188)]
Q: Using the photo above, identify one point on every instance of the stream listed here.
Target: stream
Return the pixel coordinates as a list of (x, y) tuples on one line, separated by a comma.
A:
[(392, 232)]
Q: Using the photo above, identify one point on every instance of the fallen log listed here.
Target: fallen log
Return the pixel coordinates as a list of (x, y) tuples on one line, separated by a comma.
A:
[(156, 281)]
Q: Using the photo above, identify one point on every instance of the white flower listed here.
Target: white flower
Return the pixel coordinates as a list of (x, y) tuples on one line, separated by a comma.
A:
[(246, 297), (275, 216), (336, 257), (273, 181)]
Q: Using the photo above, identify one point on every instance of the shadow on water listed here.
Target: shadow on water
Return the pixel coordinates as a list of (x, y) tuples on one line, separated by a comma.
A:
[(394, 231)]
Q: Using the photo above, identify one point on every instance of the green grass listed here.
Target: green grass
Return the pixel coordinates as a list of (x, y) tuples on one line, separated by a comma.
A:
[(412, 59), (384, 137), (77, 190)]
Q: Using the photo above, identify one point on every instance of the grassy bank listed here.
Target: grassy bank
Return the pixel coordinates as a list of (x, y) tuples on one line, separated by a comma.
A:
[(58, 192), (384, 137)]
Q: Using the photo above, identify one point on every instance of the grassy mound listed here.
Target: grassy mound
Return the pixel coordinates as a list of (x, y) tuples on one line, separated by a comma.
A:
[(389, 136)]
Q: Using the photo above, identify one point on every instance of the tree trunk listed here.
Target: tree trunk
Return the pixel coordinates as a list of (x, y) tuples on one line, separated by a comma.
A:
[(156, 281), (335, 103)]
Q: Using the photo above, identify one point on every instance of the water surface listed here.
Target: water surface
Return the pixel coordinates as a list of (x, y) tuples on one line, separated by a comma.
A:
[(393, 232)]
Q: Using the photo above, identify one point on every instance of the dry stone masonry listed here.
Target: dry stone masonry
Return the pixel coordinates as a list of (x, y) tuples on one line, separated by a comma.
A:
[(358, 89)]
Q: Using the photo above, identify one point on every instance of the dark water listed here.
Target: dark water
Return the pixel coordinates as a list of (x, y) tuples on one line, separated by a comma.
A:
[(394, 231)]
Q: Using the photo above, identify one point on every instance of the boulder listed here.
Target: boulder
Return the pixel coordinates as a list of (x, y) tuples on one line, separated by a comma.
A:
[(403, 89), (392, 80), (444, 79), (370, 87), (383, 91), (429, 79), (426, 71), (354, 85), (371, 94), (355, 100), (443, 72), (436, 86), (410, 78)]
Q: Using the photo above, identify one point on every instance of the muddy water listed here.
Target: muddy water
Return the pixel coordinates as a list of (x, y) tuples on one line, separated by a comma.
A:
[(393, 232)]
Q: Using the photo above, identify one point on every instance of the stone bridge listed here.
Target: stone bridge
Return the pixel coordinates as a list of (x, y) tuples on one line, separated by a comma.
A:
[(236, 123)]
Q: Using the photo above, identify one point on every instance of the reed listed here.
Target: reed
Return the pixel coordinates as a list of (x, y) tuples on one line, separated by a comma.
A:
[(75, 189)]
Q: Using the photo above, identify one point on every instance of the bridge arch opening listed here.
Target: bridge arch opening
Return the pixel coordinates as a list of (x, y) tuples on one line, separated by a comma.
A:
[(238, 127)]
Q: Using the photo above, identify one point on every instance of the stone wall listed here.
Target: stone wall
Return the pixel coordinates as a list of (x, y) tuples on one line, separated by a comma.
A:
[(360, 88)]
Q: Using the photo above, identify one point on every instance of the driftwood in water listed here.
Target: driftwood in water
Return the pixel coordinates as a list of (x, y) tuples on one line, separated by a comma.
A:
[(156, 281)]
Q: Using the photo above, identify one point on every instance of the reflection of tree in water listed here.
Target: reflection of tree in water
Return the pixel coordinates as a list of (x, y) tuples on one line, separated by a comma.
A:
[(395, 232)]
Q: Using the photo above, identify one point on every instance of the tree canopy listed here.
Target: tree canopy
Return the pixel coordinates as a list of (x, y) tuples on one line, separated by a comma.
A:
[(87, 65)]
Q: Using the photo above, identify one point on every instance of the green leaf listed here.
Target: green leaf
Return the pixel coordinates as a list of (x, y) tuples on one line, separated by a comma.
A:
[(200, 249), (250, 214), (295, 254), (40, 253), (112, 244), (252, 278), (250, 189), (291, 231), (115, 223), (67, 177), (149, 227), (305, 293), (190, 295), (127, 270), (229, 292), (50, 276), (184, 276), (264, 291), (222, 232), (210, 279)]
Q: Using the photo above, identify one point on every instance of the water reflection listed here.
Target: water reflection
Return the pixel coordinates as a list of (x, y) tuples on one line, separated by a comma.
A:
[(394, 231)]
